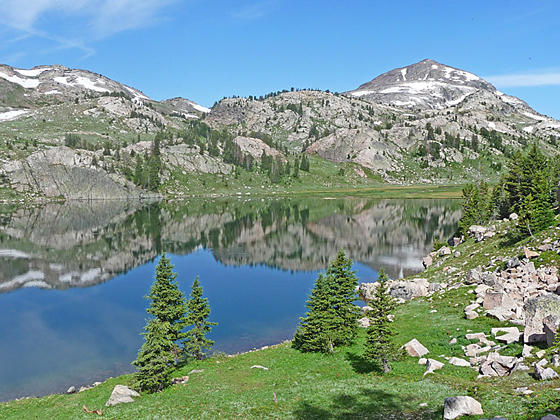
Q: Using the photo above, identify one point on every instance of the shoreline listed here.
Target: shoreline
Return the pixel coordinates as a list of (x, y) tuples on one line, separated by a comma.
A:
[(85, 387), (419, 191)]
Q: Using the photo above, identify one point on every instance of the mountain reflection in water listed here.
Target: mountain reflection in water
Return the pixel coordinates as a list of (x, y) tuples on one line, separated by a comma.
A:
[(85, 243)]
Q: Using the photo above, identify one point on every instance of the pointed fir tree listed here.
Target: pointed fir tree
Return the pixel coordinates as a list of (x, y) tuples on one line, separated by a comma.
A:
[(315, 331), (379, 347), (155, 359), (198, 310), (168, 302), (343, 289)]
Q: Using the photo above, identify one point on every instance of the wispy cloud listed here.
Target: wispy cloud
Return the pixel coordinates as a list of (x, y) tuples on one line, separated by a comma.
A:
[(543, 78), (78, 22), (255, 10)]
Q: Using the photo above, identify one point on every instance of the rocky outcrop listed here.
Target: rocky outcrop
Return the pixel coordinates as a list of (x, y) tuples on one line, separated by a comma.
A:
[(256, 147), (188, 159), (410, 289), (64, 172)]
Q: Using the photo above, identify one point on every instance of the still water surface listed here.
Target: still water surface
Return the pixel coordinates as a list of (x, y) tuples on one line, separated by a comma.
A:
[(73, 277)]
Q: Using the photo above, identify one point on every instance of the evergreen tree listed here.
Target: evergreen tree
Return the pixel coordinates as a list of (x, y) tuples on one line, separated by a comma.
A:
[(535, 214), (315, 332), (476, 206), (139, 171), (155, 358), (304, 165), (168, 302), (198, 310), (379, 347), (343, 289), (296, 168)]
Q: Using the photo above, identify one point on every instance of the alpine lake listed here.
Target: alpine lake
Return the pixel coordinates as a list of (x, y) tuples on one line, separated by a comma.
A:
[(74, 276)]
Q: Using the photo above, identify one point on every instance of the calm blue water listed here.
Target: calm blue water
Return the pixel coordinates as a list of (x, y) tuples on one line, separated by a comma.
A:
[(59, 330)]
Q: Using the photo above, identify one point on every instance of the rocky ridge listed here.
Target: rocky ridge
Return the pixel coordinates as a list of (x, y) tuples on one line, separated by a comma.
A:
[(424, 123)]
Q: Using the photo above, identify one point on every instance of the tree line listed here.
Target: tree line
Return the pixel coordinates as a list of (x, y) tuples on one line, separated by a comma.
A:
[(528, 188)]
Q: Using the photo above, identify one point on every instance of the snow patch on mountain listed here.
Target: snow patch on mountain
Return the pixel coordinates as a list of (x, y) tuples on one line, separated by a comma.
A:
[(82, 81), (535, 116), (26, 83), (12, 115), (32, 72), (200, 108), (403, 72)]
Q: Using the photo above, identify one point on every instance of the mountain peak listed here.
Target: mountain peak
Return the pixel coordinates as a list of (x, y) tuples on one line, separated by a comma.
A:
[(426, 84)]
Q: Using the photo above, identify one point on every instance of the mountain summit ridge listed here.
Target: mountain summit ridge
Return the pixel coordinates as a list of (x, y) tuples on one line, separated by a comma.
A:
[(426, 84)]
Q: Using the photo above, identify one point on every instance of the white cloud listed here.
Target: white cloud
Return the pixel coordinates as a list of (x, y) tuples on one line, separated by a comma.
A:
[(82, 20), (255, 11), (550, 78)]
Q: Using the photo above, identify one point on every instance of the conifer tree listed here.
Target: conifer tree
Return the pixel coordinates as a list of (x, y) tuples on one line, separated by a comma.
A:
[(168, 302), (379, 347), (198, 309), (343, 288), (155, 359), (476, 206), (315, 331)]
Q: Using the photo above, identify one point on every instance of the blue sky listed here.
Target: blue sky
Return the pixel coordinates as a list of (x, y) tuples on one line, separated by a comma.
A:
[(204, 50)]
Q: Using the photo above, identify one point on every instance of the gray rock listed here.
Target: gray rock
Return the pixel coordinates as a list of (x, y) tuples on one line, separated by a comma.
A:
[(511, 335), (536, 310), (432, 365), (435, 287), (461, 406), (550, 327), (456, 361), (550, 417), (409, 289), (415, 349), (474, 276), (520, 367), (471, 314), (513, 262), (545, 374), (71, 390), (523, 390), (494, 300), (427, 261), (443, 251), (121, 394)]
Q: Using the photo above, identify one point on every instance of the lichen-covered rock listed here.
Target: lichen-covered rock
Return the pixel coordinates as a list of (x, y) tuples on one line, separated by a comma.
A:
[(536, 310), (461, 406)]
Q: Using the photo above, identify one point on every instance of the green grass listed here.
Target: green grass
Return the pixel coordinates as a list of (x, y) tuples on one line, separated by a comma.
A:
[(324, 178), (315, 386)]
